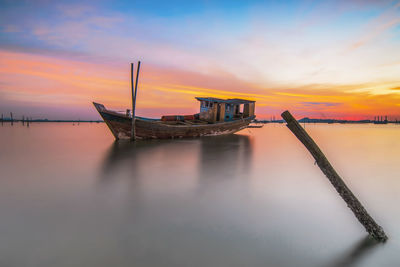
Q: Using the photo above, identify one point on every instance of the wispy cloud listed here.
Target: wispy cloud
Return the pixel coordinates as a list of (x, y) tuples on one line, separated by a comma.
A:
[(324, 104), (387, 19), (376, 32), (11, 29), (75, 10)]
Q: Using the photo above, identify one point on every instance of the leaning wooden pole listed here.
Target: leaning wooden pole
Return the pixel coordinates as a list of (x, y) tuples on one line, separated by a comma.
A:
[(359, 211)]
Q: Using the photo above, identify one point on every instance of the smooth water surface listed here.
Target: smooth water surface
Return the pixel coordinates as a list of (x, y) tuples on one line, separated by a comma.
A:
[(71, 196)]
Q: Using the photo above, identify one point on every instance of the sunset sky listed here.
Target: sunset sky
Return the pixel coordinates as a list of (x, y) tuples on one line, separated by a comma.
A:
[(321, 59)]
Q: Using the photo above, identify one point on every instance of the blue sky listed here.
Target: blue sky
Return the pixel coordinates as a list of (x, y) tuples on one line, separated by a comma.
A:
[(344, 46)]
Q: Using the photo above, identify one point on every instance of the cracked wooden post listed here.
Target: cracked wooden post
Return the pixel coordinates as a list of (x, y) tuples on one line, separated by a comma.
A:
[(359, 211)]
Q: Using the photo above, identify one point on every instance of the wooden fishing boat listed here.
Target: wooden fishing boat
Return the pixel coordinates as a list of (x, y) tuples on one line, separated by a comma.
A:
[(216, 117)]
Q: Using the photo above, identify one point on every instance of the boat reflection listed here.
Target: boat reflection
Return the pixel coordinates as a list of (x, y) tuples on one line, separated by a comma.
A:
[(224, 158), (187, 163)]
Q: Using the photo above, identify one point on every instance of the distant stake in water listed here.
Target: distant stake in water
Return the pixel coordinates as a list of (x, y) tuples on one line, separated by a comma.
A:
[(359, 211)]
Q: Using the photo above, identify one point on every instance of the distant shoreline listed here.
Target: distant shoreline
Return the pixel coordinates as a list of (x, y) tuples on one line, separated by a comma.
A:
[(303, 120), (330, 121), (46, 120)]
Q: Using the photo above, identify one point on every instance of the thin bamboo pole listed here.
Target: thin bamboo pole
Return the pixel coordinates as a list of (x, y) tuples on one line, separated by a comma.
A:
[(352, 202), (133, 106), (134, 96)]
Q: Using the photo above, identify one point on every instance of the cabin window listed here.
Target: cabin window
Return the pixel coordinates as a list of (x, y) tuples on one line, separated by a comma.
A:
[(237, 109)]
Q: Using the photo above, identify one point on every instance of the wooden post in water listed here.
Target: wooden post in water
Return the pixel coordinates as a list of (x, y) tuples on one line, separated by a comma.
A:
[(2, 119), (134, 95), (23, 120), (12, 121), (352, 202)]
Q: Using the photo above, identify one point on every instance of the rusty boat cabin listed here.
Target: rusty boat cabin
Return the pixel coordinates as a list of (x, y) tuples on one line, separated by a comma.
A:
[(216, 117), (214, 110)]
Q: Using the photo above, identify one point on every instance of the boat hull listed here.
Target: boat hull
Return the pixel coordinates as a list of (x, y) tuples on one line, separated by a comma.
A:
[(120, 126)]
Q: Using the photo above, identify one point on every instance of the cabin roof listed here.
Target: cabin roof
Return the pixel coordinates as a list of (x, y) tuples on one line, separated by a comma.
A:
[(228, 101)]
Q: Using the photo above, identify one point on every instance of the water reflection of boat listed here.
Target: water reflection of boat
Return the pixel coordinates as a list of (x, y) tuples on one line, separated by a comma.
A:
[(221, 156), (131, 153), (225, 156)]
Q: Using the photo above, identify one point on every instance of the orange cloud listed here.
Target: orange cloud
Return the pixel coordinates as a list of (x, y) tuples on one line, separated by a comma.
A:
[(47, 81)]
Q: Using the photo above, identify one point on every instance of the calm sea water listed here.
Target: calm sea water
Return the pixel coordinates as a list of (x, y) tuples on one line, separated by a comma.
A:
[(70, 196)]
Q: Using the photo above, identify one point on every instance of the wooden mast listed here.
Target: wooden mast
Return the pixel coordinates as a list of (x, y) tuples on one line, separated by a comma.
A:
[(134, 93), (133, 106)]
